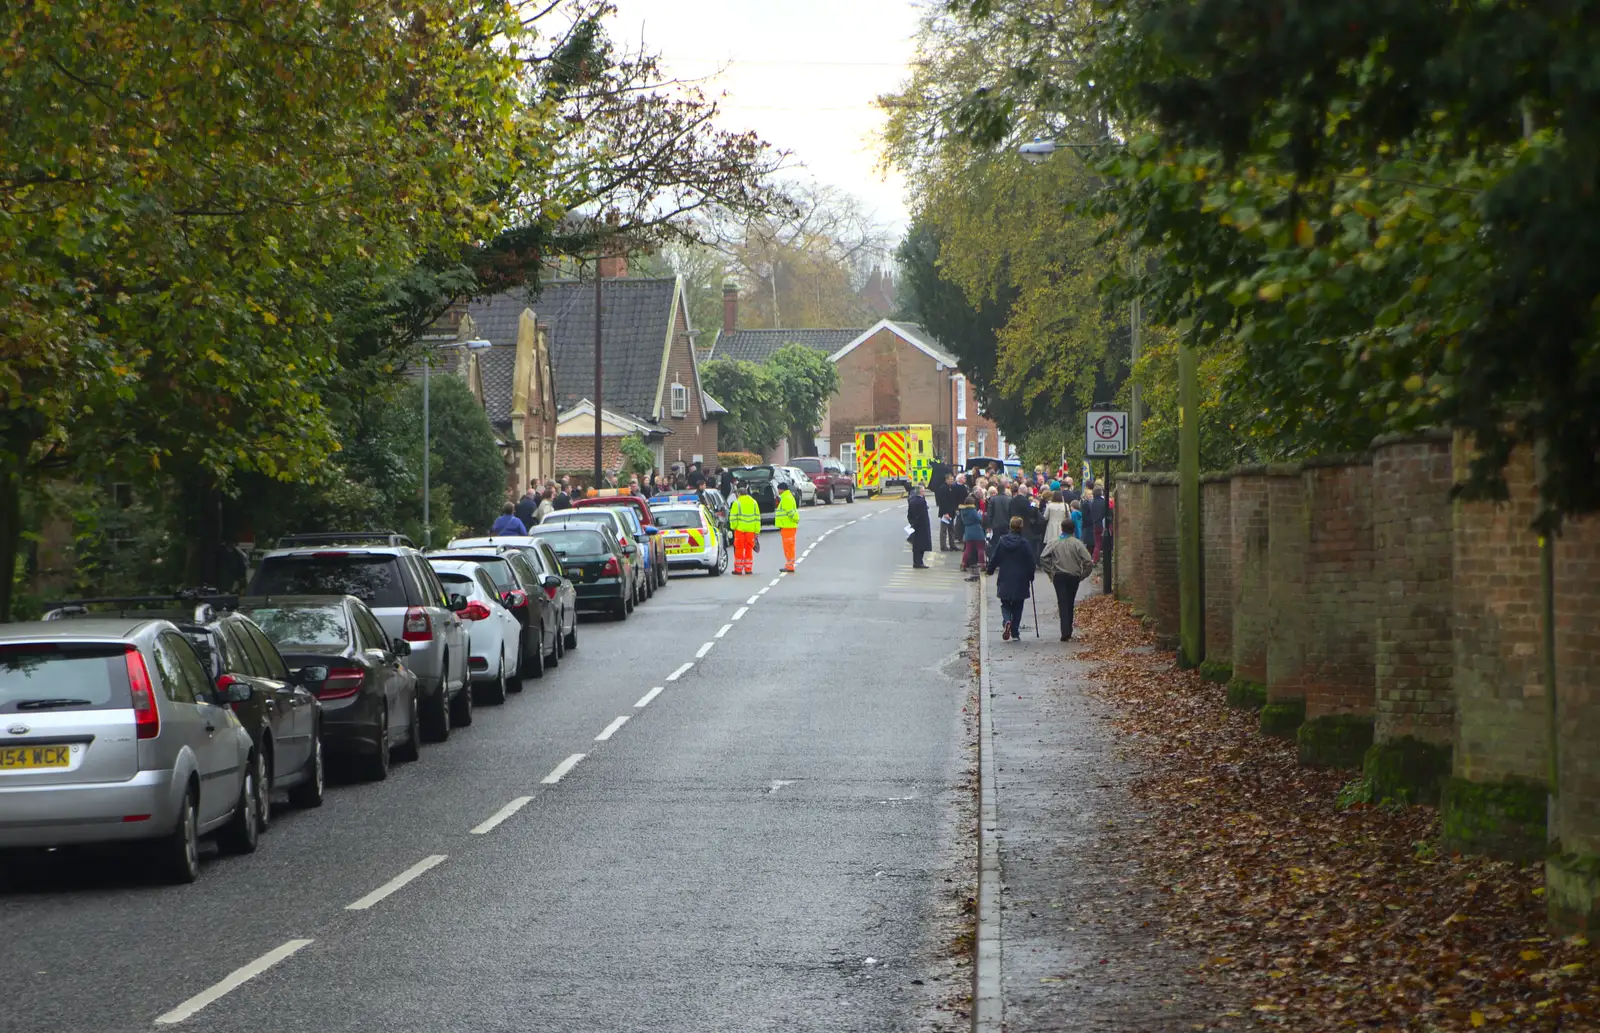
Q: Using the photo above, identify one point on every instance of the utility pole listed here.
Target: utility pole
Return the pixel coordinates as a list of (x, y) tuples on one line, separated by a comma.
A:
[(599, 442)]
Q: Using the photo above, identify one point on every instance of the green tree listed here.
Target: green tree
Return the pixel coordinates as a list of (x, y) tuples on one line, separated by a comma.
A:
[(755, 421), (803, 380), (465, 456)]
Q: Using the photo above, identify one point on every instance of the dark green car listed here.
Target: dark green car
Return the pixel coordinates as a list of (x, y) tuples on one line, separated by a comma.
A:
[(594, 560)]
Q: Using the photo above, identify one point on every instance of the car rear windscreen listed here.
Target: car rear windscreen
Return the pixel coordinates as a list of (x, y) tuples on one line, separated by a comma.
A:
[(46, 677), (757, 475), (301, 627), (499, 570), (374, 579), (449, 578), (670, 519), (575, 543), (810, 466)]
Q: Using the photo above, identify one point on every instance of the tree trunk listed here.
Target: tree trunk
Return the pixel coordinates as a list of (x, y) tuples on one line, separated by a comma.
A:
[(10, 529), (201, 507)]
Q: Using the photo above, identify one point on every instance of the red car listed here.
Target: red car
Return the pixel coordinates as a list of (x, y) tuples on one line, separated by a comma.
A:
[(833, 481)]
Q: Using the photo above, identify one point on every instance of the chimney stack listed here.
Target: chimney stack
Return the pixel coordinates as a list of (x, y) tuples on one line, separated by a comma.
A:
[(730, 307), (614, 266)]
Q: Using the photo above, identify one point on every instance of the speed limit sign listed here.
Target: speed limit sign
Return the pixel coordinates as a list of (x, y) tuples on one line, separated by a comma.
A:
[(1107, 435)]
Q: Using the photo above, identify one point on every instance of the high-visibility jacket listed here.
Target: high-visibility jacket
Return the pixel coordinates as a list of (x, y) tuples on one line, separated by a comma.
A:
[(788, 513), (744, 514)]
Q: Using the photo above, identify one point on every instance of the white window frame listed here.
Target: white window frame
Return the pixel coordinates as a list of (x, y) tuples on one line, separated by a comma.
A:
[(961, 397), (983, 440), (961, 446), (680, 400)]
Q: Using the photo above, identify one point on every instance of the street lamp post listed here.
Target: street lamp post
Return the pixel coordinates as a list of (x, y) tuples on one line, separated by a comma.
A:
[(427, 440)]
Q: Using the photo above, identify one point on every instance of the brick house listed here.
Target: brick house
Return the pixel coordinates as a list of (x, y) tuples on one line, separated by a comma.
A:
[(891, 372), (650, 377)]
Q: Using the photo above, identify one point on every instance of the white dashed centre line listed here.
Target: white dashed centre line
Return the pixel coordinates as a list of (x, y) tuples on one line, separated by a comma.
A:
[(704, 650), (740, 612), (679, 673), (232, 981), (752, 600), (502, 814), (723, 630), (562, 769), (773, 582), (396, 883), (652, 694), (764, 591), (611, 729)]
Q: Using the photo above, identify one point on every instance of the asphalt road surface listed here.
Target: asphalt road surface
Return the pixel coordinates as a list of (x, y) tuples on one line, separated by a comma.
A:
[(728, 813)]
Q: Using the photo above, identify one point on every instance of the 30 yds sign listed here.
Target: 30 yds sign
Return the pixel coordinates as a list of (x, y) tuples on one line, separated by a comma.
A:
[(1108, 435)]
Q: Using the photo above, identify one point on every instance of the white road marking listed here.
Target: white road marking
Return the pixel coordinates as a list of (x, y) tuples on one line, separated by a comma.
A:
[(740, 612), (232, 981), (773, 582), (611, 729), (799, 559), (682, 669), (502, 814), (723, 630), (779, 783), (652, 694), (562, 769), (700, 655), (764, 591), (751, 601), (396, 883)]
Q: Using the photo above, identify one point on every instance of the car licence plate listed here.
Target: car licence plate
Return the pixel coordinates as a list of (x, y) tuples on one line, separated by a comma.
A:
[(14, 758)]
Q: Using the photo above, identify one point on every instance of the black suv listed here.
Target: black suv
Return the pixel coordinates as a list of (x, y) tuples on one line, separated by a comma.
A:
[(766, 483)]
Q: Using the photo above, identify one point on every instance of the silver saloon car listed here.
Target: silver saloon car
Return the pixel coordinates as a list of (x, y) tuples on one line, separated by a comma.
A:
[(111, 733)]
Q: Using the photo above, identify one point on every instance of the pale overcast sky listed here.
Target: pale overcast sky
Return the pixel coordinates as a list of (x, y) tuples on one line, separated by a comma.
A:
[(802, 73)]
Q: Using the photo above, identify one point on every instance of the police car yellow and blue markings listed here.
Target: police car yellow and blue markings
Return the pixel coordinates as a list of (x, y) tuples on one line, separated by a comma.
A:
[(685, 542)]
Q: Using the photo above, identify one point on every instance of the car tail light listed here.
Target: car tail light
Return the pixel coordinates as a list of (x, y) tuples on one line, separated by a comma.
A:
[(342, 683), (611, 569), (516, 599), (146, 718), (475, 612), (328, 555), (418, 627)]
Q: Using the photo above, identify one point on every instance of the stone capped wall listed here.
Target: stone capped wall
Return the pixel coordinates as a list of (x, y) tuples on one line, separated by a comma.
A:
[(1286, 584), (1216, 532), (1577, 602), (1161, 610), (1248, 514), (1411, 527)]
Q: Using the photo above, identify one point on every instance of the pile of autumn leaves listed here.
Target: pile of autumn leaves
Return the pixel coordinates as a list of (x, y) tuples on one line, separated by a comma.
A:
[(1306, 916)]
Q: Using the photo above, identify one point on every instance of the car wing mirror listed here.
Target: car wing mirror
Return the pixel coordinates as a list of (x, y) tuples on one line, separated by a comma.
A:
[(311, 676), (651, 529), (400, 647), (457, 603)]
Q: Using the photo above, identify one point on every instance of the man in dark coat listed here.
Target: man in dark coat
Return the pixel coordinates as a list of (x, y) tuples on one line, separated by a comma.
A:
[(1013, 557), (1095, 518), (949, 496), (921, 533)]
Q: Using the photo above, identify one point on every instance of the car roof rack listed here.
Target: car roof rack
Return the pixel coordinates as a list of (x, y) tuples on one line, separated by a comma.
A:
[(203, 603), (345, 538)]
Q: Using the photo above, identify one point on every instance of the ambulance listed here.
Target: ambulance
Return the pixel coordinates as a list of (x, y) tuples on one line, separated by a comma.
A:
[(894, 456)]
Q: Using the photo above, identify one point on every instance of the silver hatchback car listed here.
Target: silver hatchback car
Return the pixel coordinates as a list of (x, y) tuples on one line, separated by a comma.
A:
[(111, 732)]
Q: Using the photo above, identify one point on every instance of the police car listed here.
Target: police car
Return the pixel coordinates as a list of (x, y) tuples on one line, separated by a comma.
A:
[(690, 535)]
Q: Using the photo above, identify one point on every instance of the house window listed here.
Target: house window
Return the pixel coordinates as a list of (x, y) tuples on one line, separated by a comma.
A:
[(680, 400), (983, 442), (847, 456), (961, 397), (961, 444)]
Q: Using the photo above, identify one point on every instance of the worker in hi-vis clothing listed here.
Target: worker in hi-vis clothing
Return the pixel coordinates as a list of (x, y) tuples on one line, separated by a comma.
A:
[(744, 520), (786, 518)]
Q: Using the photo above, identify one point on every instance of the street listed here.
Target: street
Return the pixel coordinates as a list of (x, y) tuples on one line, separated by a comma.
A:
[(734, 811)]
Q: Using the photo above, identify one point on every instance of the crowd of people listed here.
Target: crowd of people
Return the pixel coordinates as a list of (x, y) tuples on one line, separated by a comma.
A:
[(1016, 526), (546, 496)]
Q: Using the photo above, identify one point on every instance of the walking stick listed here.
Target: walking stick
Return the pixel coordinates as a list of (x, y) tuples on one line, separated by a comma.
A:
[(1035, 595)]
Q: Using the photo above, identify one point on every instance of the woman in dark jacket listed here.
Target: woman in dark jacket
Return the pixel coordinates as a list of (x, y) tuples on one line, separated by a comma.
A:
[(970, 525), (1013, 556), (921, 534)]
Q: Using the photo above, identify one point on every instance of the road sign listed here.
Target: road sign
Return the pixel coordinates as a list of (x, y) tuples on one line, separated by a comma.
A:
[(1108, 435)]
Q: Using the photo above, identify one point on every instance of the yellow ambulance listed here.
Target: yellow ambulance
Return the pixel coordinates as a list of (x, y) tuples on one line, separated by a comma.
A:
[(894, 456)]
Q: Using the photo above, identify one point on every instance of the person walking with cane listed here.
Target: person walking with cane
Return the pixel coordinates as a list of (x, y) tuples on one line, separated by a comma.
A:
[(1013, 558), (1067, 562), (786, 518)]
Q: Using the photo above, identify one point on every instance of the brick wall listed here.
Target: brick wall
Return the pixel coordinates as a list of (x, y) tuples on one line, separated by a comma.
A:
[(692, 435), (1411, 530), (1127, 513), (1286, 559), (1216, 531), (1499, 701), (1162, 610), (1337, 609), (1252, 604), (1145, 529), (887, 380), (1577, 601)]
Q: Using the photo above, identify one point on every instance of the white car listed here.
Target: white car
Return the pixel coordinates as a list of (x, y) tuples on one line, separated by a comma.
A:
[(494, 634), (690, 537), (807, 489)]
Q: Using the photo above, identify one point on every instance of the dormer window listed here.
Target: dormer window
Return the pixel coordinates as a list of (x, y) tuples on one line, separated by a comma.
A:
[(680, 400)]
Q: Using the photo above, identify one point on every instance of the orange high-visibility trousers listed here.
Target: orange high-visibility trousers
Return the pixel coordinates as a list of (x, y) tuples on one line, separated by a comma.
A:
[(744, 552), (788, 546)]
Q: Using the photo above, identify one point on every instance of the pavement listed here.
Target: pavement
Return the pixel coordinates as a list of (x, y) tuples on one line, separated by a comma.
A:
[(1078, 940), (739, 810)]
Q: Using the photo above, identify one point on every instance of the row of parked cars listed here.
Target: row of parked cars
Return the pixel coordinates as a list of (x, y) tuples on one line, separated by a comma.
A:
[(151, 722)]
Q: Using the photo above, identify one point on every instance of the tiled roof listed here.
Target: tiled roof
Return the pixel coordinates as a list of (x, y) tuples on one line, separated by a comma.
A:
[(635, 317), (760, 345), (498, 367)]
